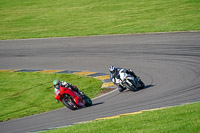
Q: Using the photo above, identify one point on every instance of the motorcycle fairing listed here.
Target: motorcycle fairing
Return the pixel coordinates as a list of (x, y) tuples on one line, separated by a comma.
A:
[(76, 97)]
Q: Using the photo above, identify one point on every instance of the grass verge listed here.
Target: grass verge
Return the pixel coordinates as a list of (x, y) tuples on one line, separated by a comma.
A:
[(28, 93), (179, 119), (61, 18)]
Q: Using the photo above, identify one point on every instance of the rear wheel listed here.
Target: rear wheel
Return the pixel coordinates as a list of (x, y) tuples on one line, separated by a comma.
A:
[(69, 102)]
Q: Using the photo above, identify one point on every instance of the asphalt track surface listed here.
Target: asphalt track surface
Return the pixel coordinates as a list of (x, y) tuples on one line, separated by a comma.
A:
[(168, 63)]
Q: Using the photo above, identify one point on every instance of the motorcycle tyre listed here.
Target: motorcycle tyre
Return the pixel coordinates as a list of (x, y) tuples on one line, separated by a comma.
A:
[(121, 88), (131, 88), (67, 104), (142, 85), (88, 101)]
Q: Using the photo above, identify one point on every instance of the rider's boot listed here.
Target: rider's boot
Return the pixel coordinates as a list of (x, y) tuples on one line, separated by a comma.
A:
[(120, 88)]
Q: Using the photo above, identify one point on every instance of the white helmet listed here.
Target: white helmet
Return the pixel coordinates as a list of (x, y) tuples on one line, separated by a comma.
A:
[(112, 69)]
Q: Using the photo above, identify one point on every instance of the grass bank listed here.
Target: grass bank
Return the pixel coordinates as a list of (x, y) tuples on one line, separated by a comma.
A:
[(180, 119), (28, 93), (61, 18)]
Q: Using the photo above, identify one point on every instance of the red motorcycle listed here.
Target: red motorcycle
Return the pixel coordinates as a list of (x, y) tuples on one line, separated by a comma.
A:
[(72, 99)]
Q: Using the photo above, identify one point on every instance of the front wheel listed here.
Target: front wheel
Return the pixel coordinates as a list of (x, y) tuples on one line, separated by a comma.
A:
[(130, 87), (69, 102), (88, 101), (142, 84), (133, 88)]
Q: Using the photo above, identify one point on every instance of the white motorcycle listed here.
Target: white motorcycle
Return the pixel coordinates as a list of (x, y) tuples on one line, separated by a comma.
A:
[(128, 81)]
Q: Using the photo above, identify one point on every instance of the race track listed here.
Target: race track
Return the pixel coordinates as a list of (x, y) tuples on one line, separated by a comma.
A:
[(168, 63)]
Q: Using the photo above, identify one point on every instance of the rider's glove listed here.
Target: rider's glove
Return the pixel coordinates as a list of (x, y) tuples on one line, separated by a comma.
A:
[(82, 93), (64, 83), (130, 70)]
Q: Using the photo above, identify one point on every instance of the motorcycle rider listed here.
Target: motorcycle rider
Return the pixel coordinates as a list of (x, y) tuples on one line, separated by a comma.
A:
[(114, 75), (57, 84)]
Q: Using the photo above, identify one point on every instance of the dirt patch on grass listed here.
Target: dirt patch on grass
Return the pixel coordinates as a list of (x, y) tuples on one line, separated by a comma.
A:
[(106, 90)]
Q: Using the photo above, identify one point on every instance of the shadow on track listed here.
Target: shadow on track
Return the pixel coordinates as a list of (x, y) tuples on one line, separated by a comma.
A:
[(97, 103), (147, 86)]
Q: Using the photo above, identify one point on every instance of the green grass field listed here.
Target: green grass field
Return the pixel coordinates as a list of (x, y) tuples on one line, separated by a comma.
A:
[(61, 18), (180, 119), (25, 93)]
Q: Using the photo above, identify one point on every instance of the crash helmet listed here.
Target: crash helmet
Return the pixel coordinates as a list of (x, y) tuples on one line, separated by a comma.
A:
[(56, 83), (112, 69)]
